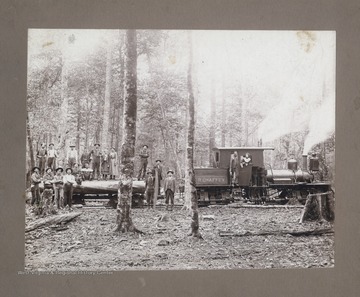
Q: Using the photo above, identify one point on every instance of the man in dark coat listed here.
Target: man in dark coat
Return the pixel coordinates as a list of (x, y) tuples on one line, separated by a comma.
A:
[(144, 155), (96, 157), (41, 156), (35, 189), (149, 188), (159, 168), (85, 158), (169, 188)]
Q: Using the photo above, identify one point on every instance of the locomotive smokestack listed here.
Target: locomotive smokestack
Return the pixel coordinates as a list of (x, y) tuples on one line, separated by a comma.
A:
[(304, 163)]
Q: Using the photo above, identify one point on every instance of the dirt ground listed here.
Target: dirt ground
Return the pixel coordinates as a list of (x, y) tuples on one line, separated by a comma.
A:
[(89, 242)]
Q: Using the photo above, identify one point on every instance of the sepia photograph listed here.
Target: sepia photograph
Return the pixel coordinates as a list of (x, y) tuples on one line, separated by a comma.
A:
[(179, 150)]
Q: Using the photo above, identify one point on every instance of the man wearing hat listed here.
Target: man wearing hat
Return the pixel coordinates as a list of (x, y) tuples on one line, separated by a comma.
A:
[(35, 189), (51, 153), (41, 156), (85, 158), (58, 183), (72, 156), (69, 181), (158, 169), (144, 155), (96, 157), (149, 188), (169, 188)]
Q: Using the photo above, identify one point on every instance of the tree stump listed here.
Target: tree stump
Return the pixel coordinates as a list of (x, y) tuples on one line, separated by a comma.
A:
[(319, 206), (47, 205)]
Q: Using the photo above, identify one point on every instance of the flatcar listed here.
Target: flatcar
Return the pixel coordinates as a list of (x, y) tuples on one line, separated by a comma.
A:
[(240, 173)]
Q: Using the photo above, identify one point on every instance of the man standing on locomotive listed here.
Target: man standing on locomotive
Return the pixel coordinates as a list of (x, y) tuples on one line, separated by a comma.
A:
[(234, 163)]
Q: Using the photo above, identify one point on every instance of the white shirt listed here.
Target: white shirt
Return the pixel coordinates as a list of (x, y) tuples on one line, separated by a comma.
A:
[(69, 178)]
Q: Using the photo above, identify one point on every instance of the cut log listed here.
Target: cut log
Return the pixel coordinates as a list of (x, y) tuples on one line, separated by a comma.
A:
[(106, 187), (63, 218), (278, 233)]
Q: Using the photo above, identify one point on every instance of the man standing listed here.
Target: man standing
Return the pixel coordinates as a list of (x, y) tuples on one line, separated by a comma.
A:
[(169, 188), (59, 188), (158, 170), (35, 190), (72, 156), (144, 155), (96, 157), (41, 155), (149, 188), (85, 158), (69, 181), (51, 157), (234, 165)]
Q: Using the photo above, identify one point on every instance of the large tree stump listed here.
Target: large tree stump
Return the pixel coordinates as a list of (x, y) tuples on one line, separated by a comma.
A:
[(319, 206), (47, 204)]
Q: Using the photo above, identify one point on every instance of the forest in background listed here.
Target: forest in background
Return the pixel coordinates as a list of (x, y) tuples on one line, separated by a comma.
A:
[(75, 95)]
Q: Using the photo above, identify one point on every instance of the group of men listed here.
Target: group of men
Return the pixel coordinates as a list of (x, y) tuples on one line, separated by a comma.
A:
[(61, 185), (150, 179), (104, 163)]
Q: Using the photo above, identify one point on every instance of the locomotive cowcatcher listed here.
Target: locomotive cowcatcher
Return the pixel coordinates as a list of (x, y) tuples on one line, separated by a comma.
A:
[(240, 173)]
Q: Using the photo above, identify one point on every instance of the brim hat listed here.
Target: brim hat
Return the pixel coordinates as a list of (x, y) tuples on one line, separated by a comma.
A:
[(146, 145), (72, 145), (149, 172), (97, 144), (158, 160), (170, 171), (35, 168), (51, 144), (47, 169), (69, 169), (59, 168)]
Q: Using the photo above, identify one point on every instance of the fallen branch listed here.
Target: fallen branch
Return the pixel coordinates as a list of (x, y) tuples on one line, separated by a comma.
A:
[(269, 206), (63, 218), (280, 232)]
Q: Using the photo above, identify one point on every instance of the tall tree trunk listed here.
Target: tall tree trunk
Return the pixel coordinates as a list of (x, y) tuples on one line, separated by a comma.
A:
[(127, 155), (190, 149), (212, 125), (63, 129), (78, 126), (106, 117), (223, 117), (118, 130)]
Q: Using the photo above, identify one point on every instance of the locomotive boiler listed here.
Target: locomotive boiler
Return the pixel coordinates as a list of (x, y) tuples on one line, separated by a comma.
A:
[(240, 172)]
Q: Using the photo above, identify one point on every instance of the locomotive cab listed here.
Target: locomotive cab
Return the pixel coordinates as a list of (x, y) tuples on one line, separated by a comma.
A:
[(233, 168)]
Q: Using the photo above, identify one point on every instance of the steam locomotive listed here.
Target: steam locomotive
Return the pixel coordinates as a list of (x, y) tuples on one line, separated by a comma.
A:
[(240, 173)]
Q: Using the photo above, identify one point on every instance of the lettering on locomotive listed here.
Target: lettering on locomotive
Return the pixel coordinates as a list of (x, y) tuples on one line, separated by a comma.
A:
[(215, 180)]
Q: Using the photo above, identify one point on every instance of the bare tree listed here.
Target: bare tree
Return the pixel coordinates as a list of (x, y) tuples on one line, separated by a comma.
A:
[(106, 117), (124, 221), (191, 184)]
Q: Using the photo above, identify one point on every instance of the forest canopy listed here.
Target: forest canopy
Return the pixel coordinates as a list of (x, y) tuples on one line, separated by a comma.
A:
[(273, 88)]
